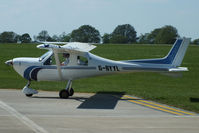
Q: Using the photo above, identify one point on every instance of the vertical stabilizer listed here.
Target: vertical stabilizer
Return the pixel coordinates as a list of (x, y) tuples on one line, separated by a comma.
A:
[(174, 57), (178, 51)]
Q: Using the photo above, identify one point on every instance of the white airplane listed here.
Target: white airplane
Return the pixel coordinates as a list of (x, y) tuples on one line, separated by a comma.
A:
[(43, 68)]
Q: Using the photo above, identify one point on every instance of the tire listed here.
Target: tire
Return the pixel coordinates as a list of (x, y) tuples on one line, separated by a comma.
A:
[(71, 92), (63, 94), (29, 95)]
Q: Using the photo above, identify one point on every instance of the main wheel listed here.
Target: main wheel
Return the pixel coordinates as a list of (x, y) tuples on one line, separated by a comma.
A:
[(71, 92), (63, 94), (29, 95)]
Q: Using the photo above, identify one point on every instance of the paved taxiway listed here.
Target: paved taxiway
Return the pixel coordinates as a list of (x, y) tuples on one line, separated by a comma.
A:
[(90, 113)]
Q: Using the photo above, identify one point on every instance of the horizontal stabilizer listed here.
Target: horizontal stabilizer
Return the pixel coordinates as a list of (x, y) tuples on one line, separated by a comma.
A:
[(178, 69)]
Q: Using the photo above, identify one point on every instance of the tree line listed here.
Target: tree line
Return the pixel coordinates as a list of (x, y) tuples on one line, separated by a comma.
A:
[(125, 34)]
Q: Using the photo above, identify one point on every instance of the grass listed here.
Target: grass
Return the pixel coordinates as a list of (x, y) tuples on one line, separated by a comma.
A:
[(153, 86)]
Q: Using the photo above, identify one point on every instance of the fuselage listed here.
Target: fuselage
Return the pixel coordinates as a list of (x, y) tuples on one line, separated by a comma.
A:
[(37, 69)]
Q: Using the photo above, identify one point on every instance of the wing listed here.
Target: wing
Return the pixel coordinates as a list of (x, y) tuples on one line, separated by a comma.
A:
[(72, 47), (77, 46)]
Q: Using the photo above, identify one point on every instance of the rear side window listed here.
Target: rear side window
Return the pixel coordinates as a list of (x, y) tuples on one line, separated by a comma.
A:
[(82, 60)]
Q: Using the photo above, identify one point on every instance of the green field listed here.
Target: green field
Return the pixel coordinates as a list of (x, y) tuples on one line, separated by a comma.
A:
[(153, 86)]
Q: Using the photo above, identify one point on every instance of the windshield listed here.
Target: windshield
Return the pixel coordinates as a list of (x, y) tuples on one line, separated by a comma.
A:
[(44, 55)]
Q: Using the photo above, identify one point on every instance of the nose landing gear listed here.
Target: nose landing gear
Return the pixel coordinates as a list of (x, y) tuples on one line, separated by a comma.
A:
[(29, 91)]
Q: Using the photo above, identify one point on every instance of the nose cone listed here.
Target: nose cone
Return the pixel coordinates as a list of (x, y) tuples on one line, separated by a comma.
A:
[(9, 62)]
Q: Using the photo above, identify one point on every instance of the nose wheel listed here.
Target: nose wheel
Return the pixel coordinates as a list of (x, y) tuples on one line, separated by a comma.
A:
[(29, 91), (29, 95), (65, 93)]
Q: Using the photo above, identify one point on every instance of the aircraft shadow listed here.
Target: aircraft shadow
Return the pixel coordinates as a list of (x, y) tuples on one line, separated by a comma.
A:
[(102, 100)]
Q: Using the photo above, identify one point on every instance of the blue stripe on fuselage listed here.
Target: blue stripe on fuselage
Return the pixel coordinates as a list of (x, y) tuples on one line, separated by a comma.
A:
[(34, 73), (26, 74)]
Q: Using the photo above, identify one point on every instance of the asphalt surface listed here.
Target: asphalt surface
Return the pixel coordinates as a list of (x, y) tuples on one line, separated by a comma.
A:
[(90, 113)]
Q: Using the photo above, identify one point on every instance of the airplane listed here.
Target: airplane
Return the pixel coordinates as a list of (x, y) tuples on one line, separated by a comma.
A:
[(82, 64)]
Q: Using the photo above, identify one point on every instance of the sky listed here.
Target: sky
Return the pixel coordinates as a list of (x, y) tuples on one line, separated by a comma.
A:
[(57, 16)]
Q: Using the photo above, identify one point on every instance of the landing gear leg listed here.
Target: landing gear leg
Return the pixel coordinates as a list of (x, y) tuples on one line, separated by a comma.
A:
[(29, 91), (68, 91)]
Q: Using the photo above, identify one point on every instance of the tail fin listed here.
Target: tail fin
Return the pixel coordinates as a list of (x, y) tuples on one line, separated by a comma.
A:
[(174, 57), (177, 52)]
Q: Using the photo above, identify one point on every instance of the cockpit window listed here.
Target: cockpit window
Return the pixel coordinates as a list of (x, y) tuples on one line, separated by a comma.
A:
[(44, 55)]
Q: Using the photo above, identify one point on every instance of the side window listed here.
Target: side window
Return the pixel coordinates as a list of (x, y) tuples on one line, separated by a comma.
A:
[(82, 60), (46, 58), (51, 59), (48, 61)]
